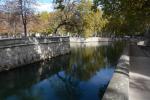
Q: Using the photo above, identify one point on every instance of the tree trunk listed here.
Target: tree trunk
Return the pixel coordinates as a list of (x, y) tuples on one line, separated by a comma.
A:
[(25, 29), (24, 17)]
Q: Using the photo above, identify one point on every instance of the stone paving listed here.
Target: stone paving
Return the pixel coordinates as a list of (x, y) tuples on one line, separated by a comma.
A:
[(139, 82)]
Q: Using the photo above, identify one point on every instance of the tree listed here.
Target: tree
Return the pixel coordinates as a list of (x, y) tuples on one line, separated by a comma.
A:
[(9, 17), (93, 21), (41, 23), (17, 11), (13, 16), (132, 15), (68, 18), (81, 19), (25, 10)]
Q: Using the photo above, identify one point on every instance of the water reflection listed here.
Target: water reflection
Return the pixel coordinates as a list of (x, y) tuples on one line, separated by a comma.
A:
[(81, 75)]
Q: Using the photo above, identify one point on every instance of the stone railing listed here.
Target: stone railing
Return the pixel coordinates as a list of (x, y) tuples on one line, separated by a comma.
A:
[(19, 52)]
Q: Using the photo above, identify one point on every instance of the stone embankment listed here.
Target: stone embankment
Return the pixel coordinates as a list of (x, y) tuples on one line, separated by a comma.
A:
[(119, 85), (19, 52)]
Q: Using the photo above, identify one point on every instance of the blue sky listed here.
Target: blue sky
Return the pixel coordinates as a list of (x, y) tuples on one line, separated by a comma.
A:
[(42, 5), (46, 1), (45, 5)]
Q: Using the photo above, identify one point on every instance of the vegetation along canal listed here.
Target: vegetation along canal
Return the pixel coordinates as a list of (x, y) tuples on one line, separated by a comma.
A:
[(81, 75)]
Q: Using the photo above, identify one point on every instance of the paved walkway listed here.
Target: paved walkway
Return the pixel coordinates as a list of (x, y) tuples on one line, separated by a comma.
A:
[(139, 85)]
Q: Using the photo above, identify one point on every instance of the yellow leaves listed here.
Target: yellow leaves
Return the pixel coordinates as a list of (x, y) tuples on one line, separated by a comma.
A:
[(81, 20), (93, 22)]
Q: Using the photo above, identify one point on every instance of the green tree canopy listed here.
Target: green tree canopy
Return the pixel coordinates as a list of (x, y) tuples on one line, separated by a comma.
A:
[(127, 16)]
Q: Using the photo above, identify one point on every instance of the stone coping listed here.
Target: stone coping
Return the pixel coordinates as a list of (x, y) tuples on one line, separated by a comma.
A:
[(6, 43), (89, 39), (27, 44), (6, 39), (143, 43), (118, 88)]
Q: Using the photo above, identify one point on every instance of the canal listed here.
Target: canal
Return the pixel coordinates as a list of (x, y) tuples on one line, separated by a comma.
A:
[(83, 74)]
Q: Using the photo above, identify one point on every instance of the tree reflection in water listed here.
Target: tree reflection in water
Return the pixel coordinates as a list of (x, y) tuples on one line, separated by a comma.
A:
[(81, 75)]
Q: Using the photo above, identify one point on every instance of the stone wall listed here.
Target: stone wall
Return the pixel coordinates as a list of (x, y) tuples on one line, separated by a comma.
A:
[(90, 39), (19, 54)]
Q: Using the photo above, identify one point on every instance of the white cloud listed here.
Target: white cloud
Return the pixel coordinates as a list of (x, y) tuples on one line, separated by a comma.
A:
[(44, 7)]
